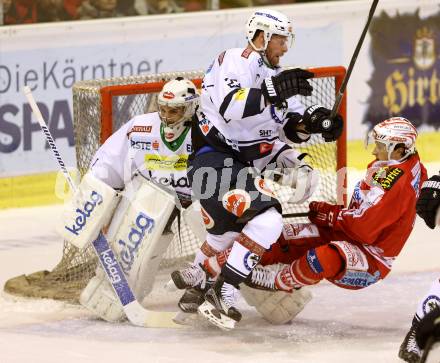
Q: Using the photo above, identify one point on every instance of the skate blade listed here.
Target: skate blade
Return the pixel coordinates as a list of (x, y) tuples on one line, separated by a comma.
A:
[(215, 317)]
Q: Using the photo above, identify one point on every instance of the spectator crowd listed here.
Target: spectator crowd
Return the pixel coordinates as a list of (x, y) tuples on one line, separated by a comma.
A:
[(42, 11)]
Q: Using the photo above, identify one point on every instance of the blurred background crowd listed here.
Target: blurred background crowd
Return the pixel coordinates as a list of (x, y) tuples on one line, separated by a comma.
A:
[(42, 11)]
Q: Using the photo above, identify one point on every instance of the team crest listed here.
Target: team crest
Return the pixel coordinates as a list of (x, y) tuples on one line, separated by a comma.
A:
[(424, 49), (236, 201)]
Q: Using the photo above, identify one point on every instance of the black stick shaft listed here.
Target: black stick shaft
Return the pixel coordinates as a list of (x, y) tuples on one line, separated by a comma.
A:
[(353, 60)]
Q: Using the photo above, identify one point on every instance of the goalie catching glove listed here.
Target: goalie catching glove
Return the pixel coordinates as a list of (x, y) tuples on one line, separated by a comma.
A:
[(286, 84), (317, 121)]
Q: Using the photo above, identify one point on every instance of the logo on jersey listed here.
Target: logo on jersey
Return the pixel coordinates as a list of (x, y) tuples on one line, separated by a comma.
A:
[(265, 147), (265, 133), (386, 177), (140, 145), (169, 180), (168, 95), (262, 187), (205, 126), (236, 201), (144, 129), (207, 219), (164, 162)]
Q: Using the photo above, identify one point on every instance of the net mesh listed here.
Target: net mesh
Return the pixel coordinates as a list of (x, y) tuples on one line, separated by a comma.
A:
[(95, 120)]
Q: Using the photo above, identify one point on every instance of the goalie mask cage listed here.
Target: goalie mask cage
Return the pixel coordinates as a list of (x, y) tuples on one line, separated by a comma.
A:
[(101, 106)]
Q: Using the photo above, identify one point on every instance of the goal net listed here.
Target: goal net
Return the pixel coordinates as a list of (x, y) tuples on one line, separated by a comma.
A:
[(101, 106)]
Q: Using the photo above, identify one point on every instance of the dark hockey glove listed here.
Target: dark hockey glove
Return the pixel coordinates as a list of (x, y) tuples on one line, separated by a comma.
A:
[(429, 200), (286, 84), (317, 121), (323, 214), (294, 128)]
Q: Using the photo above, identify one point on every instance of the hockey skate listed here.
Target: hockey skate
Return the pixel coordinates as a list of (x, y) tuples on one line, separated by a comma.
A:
[(271, 278), (409, 350), (218, 307), (262, 278), (189, 277)]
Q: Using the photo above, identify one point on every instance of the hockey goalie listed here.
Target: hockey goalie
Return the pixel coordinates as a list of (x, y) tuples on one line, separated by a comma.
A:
[(136, 180)]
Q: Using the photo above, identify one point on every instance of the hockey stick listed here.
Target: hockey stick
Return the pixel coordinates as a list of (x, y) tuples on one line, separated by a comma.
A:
[(135, 312), (293, 215), (36, 110), (341, 90), (353, 61)]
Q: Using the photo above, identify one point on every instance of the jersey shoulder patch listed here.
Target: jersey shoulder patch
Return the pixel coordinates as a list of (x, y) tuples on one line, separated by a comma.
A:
[(386, 177), (221, 57), (246, 53)]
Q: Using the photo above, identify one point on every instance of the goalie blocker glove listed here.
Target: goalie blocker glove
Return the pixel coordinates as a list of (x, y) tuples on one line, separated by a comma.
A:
[(428, 204), (286, 84), (317, 121)]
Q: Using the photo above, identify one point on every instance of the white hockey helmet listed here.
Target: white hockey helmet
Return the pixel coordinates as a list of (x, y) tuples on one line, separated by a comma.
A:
[(270, 22), (180, 95), (395, 131)]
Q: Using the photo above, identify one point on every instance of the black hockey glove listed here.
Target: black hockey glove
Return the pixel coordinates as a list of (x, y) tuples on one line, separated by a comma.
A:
[(317, 121), (294, 128), (286, 84), (429, 200)]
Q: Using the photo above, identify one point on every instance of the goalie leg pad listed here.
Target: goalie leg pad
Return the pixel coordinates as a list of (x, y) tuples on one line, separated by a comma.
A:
[(135, 232), (99, 298), (277, 307), (89, 210), (137, 242)]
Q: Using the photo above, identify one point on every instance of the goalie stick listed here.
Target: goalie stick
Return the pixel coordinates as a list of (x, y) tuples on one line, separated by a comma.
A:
[(341, 90), (135, 312)]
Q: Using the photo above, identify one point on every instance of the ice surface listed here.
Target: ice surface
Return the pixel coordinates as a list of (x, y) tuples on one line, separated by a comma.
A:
[(337, 325)]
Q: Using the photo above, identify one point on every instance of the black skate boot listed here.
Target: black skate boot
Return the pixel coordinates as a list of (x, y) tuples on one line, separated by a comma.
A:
[(219, 307), (409, 350), (189, 277), (191, 300)]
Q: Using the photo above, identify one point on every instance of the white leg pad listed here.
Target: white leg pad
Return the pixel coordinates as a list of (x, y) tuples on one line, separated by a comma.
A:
[(99, 298), (277, 307)]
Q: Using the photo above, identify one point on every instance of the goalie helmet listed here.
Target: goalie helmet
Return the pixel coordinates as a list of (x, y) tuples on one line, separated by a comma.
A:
[(395, 131), (270, 22), (177, 103)]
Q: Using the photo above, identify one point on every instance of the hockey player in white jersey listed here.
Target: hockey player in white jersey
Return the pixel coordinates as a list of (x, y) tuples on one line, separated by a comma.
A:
[(149, 150), (247, 106), (426, 322)]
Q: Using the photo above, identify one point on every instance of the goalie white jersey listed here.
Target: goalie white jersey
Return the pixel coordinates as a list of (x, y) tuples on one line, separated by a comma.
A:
[(140, 146), (233, 113)]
